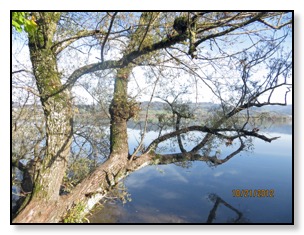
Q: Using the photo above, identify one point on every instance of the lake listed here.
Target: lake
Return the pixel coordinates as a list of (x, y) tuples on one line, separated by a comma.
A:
[(252, 187)]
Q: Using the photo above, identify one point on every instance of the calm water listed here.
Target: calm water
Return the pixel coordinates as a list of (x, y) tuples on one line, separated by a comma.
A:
[(200, 193)]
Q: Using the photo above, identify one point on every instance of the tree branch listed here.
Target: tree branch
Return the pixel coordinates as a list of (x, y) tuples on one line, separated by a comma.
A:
[(130, 57), (205, 129), (107, 35), (232, 28), (273, 26), (61, 45), (21, 71), (114, 64), (161, 159)]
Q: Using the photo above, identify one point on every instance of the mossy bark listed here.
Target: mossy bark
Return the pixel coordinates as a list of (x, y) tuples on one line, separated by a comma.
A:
[(119, 110), (57, 108)]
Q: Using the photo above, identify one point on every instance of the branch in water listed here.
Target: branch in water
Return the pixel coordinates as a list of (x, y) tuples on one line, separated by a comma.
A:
[(204, 129), (160, 159)]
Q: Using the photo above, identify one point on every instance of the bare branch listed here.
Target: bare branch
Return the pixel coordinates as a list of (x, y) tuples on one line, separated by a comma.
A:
[(273, 26), (232, 28), (146, 122), (21, 71), (29, 89), (205, 129), (60, 46), (107, 35), (193, 156)]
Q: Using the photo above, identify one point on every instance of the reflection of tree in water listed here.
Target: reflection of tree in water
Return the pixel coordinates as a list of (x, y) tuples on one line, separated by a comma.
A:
[(217, 201), (119, 192), (112, 209), (113, 212)]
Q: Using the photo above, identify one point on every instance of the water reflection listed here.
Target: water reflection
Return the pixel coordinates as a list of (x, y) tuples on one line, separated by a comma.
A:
[(217, 202), (194, 192), (115, 212)]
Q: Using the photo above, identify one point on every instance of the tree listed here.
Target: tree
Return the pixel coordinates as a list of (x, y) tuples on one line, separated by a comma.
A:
[(162, 42)]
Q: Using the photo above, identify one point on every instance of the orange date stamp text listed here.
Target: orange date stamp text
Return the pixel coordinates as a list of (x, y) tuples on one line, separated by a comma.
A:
[(253, 192)]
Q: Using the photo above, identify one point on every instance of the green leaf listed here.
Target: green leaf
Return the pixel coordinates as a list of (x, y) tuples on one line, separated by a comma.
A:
[(17, 26), (19, 19), (30, 26)]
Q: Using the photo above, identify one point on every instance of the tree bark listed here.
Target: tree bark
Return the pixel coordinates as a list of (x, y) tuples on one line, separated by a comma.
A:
[(51, 168), (57, 110), (89, 192), (120, 111)]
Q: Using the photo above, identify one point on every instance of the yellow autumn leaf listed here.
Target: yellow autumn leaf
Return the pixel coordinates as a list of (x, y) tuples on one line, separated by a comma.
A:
[(33, 22)]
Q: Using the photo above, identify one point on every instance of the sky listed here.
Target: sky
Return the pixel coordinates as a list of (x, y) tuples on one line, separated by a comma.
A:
[(153, 5)]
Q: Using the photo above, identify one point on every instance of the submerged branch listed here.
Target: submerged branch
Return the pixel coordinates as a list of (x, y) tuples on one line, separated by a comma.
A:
[(214, 131), (162, 159)]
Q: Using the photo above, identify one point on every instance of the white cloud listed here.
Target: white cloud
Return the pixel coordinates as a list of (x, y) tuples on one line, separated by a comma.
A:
[(217, 174)]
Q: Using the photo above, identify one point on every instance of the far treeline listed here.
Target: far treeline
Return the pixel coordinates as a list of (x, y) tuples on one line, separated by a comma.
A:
[(201, 110)]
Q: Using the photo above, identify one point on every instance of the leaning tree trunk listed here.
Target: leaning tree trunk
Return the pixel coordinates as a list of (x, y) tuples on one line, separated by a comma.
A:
[(57, 109)]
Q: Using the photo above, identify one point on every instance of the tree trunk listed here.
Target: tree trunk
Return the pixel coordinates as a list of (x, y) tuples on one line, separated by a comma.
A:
[(57, 109), (46, 204), (120, 111), (89, 192)]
